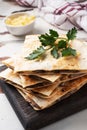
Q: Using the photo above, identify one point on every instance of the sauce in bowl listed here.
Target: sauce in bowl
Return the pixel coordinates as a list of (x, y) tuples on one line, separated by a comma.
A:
[(19, 24), (20, 20)]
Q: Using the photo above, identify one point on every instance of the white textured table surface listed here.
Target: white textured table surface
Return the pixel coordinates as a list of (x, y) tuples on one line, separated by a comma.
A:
[(8, 118)]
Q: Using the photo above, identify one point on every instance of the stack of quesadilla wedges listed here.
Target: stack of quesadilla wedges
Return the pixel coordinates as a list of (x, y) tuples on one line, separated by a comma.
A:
[(43, 82)]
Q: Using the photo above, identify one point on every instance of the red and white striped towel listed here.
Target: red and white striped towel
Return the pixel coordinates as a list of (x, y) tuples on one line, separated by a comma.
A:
[(28, 3), (60, 13)]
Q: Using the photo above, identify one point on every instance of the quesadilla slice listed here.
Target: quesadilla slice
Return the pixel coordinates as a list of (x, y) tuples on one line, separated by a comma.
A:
[(23, 81), (61, 77), (47, 90), (10, 63), (62, 91), (49, 63), (32, 80), (23, 94), (34, 83), (49, 76)]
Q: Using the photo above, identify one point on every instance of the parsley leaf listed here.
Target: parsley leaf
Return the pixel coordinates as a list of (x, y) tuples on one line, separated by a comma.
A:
[(53, 33), (62, 44), (62, 47), (55, 53), (69, 51), (71, 34), (48, 39), (36, 53)]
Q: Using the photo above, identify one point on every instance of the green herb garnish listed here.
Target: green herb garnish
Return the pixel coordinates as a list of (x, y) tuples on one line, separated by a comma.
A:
[(36, 53), (71, 34), (69, 51), (49, 39), (55, 53), (57, 49), (62, 44)]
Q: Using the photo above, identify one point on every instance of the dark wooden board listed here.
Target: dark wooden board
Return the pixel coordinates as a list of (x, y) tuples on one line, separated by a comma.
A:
[(33, 120)]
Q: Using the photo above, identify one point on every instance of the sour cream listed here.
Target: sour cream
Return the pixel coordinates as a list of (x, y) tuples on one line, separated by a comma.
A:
[(20, 20)]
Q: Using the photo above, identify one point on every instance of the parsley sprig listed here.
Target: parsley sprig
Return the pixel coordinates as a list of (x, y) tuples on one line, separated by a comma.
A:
[(58, 48), (36, 53)]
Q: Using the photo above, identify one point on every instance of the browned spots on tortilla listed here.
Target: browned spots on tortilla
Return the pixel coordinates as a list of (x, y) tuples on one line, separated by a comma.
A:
[(33, 104)]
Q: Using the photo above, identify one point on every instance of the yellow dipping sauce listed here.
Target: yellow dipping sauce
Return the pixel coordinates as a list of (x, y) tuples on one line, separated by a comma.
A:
[(20, 20)]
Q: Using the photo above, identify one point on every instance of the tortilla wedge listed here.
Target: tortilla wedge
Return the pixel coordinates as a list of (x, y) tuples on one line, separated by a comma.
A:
[(22, 81), (49, 63), (34, 83), (45, 81), (61, 92), (46, 91), (45, 75)]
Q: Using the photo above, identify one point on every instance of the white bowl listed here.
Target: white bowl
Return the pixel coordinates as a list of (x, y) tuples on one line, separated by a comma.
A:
[(19, 30)]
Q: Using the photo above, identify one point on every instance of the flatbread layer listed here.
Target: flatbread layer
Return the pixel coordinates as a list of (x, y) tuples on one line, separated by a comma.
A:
[(36, 84), (61, 92), (23, 81), (47, 90), (49, 63), (51, 76)]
